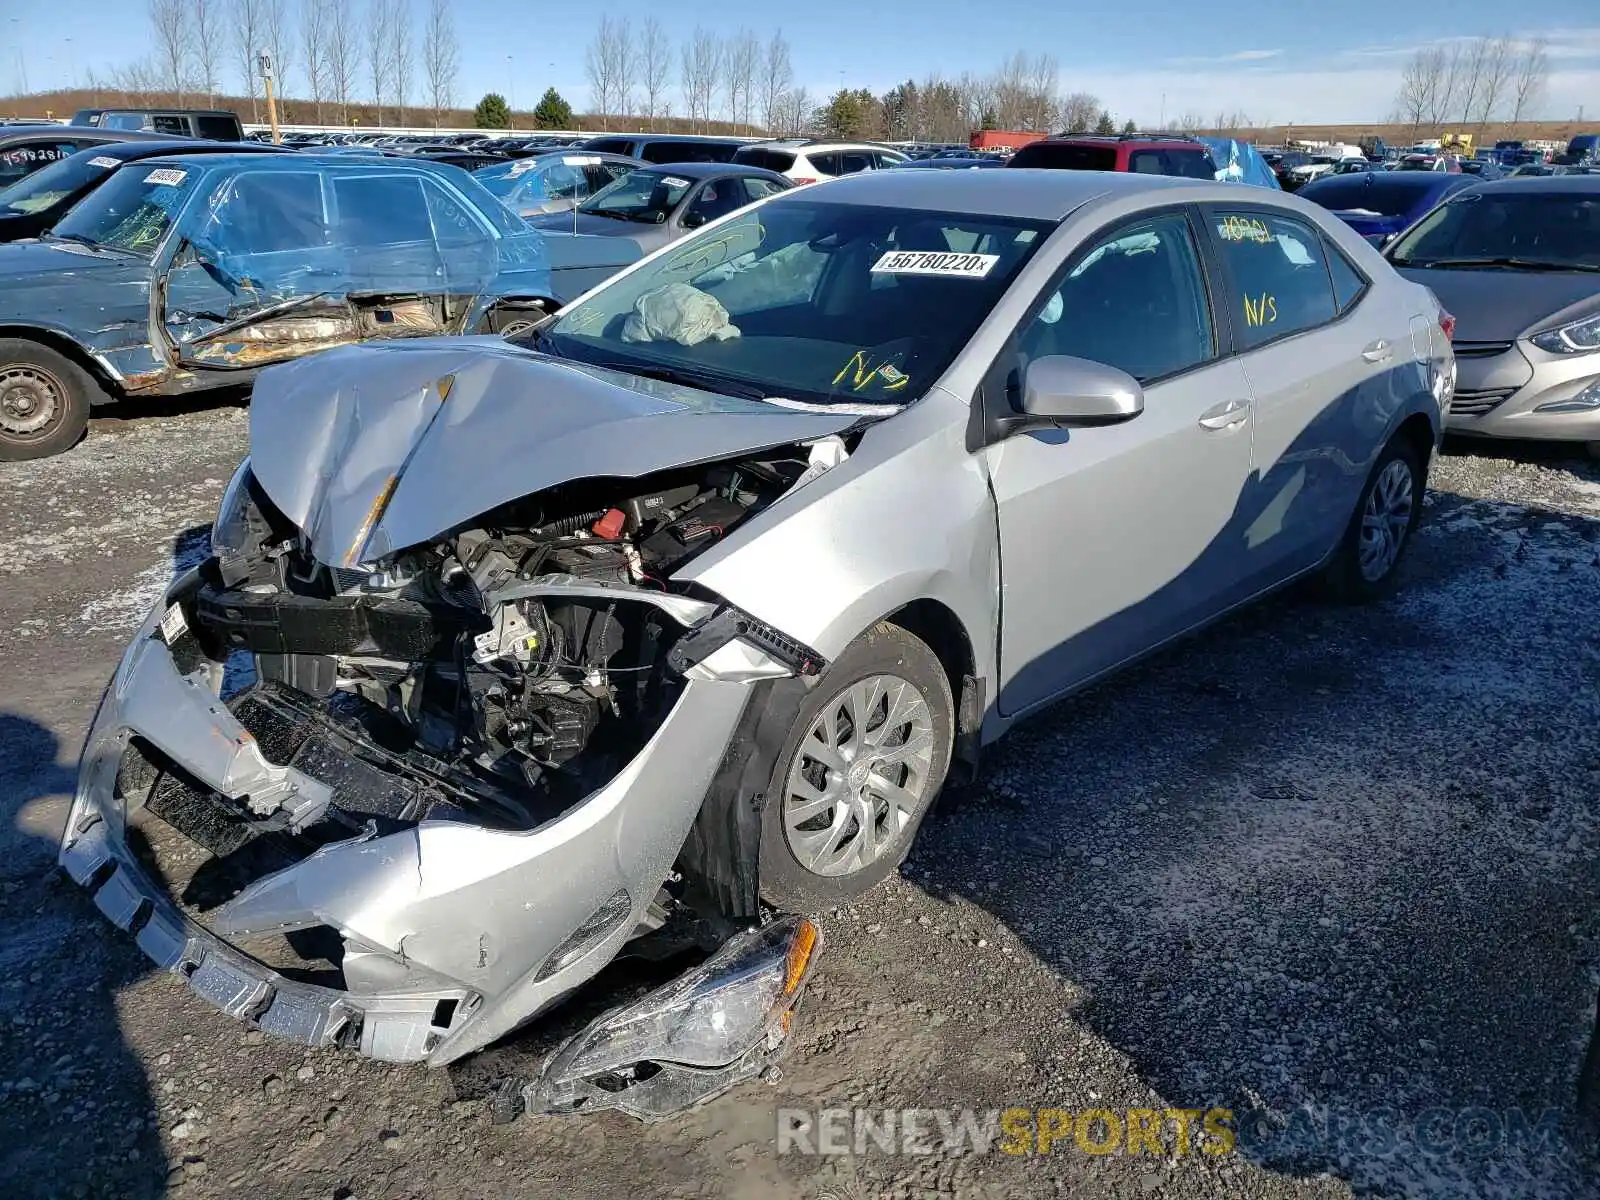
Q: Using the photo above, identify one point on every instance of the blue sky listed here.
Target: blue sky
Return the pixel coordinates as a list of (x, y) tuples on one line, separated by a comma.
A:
[(1277, 60)]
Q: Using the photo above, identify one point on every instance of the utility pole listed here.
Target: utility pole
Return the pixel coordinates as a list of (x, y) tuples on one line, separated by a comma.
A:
[(265, 61)]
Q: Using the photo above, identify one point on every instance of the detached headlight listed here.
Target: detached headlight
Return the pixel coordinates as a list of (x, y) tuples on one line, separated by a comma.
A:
[(230, 532), (1580, 337), (725, 1021)]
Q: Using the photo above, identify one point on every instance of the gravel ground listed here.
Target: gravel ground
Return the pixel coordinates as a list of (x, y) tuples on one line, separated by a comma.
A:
[(1333, 870)]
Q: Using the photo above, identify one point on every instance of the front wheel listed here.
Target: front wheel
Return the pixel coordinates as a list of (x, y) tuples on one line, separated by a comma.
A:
[(1364, 567), (859, 770), (44, 400)]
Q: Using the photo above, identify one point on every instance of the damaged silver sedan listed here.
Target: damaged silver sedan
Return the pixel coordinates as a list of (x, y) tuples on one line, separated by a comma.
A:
[(510, 659)]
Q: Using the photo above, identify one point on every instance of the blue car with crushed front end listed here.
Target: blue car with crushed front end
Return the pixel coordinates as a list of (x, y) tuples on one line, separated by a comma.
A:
[(187, 272)]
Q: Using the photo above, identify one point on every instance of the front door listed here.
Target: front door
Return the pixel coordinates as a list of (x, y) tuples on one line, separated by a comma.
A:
[(1115, 538)]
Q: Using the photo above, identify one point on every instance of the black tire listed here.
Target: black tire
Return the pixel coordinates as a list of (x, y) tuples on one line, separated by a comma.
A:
[(44, 400), (1344, 578), (884, 650), (1594, 449)]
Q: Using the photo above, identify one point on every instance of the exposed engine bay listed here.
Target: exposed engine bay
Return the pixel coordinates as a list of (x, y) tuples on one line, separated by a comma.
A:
[(505, 670)]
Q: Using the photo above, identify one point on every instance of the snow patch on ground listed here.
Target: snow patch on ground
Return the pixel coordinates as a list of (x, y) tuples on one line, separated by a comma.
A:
[(123, 610)]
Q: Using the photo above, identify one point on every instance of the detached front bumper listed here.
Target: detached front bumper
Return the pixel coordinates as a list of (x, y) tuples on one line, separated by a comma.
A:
[(453, 934)]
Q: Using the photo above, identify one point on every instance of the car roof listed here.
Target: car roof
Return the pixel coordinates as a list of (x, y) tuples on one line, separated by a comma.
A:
[(1135, 140), (299, 160), (665, 137), (82, 133), (705, 170), (1032, 194), (1586, 185), (130, 151)]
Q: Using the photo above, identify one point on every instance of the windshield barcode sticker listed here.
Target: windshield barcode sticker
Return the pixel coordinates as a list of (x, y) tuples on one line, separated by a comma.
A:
[(580, 160), (934, 262), (103, 160), (674, 181), (166, 176)]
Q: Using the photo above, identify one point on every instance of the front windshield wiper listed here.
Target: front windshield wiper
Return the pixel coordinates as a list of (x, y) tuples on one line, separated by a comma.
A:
[(605, 212), (705, 381), (1520, 264)]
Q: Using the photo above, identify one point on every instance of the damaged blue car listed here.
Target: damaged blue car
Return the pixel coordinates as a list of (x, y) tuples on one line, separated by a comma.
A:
[(190, 272)]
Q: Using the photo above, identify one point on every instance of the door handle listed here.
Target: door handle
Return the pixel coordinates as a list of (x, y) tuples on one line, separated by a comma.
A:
[(1228, 415), (1379, 351)]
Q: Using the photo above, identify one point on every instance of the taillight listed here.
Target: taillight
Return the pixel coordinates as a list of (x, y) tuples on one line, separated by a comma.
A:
[(1447, 322)]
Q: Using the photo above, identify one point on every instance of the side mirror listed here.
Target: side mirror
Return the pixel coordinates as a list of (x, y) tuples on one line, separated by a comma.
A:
[(693, 220), (1059, 390)]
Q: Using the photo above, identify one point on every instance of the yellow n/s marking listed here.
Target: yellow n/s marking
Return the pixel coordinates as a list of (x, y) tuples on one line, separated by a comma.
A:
[(1262, 310), (861, 374)]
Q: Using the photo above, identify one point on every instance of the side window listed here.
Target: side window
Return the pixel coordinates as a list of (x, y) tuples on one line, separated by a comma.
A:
[(717, 198), (665, 152), (1279, 280), (826, 164), (170, 123), (268, 212), (1349, 285), (381, 210), (760, 189), (1135, 301), (855, 161), (887, 160), (453, 223), (220, 129), (1147, 162)]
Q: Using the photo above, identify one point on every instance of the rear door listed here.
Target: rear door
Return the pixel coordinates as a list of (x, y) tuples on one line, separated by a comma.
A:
[(1320, 347)]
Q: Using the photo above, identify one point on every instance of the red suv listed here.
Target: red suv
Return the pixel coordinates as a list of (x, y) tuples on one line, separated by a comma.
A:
[(1149, 154)]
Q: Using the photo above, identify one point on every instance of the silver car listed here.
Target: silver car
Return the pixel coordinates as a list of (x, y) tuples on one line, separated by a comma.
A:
[(1517, 263), (513, 656)]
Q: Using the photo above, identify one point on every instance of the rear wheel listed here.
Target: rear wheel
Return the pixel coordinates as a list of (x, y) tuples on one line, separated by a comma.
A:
[(863, 763), (1365, 565), (44, 400)]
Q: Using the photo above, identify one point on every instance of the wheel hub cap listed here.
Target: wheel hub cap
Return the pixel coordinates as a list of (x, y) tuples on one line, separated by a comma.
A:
[(1385, 520), (860, 776), (29, 399)]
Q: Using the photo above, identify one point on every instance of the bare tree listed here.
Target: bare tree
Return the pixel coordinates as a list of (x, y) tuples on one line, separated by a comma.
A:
[(1467, 63), (402, 54), (608, 64), (777, 77), (314, 29), (655, 66), (441, 57), (701, 66), (169, 20), (207, 44), (742, 59), (1044, 76), (1427, 84), (248, 29), (1494, 75), (379, 63), (277, 37), (343, 55), (1190, 122), (1530, 77), (1079, 112)]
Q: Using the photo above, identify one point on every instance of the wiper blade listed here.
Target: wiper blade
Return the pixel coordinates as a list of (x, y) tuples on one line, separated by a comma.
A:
[(1521, 264), (610, 213)]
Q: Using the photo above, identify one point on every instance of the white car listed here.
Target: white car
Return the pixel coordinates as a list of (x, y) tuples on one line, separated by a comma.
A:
[(809, 161)]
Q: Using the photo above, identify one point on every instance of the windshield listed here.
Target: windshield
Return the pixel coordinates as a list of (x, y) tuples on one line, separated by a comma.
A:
[(1539, 228), (647, 196), (132, 210), (37, 192), (529, 185), (801, 301)]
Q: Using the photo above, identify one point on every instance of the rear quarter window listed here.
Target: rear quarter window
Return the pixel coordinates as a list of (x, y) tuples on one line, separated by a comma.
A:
[(771, 160), (1066, 158)]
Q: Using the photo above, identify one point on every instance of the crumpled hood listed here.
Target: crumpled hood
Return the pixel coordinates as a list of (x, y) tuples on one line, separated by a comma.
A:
[(1493, 305), (373, 448)]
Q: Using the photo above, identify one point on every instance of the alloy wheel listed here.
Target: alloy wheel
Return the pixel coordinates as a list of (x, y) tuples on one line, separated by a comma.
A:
[(860, 776), (1386, 520)]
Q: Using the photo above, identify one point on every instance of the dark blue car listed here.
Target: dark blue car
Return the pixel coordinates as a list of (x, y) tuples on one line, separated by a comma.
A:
[(1379, 204)]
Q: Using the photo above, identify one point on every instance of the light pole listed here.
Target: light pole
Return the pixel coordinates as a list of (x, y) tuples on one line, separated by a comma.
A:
[(511, 89), (264, 61)]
